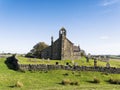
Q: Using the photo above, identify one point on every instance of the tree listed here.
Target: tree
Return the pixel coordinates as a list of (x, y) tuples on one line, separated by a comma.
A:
[(36, 51), (83, 53)]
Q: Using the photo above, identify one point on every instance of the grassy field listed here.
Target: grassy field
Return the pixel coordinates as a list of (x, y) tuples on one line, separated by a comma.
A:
[(51, 80), (115, 63), (81, 62)]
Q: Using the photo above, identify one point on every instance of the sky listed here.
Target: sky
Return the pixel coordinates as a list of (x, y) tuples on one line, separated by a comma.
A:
[(92, 24)]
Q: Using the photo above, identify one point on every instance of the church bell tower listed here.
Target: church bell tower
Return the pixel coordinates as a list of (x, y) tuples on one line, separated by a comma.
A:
[(62, 37), (62, 32)]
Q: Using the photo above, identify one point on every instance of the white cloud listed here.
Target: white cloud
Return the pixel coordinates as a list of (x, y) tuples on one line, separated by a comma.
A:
[(110, 2)]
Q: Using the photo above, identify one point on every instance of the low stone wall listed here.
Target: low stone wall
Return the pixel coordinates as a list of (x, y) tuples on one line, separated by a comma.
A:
[(44, 67)]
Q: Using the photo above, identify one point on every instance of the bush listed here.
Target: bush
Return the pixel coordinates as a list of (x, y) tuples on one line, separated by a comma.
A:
[(105, 73), (96, 80), (110, 80), (20, 70), (66, 74), (74, 83), (65, 82), (19, 84), (68, 82), (114, 81), (29, 55)]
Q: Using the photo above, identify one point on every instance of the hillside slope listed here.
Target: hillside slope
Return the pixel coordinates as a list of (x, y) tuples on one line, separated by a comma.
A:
[(51, 80)]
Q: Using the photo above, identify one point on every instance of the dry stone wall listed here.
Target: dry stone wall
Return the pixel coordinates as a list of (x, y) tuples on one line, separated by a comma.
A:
[(13, 63)]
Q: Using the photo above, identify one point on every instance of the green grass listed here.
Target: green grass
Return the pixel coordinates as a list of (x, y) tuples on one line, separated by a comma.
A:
[(81, 62), (115, 63), (51, 80)]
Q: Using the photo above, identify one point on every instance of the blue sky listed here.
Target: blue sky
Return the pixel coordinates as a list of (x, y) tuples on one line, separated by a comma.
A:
[(92, 24)]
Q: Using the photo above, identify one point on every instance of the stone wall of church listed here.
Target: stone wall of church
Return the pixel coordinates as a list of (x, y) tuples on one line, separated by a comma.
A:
[(77, 55), (68, 49), (56, 50)]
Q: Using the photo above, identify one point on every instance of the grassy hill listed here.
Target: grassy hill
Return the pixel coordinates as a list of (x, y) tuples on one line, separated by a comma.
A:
[(51, 80)]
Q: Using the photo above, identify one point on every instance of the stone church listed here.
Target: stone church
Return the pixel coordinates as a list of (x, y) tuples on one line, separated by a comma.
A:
[(62, 48)]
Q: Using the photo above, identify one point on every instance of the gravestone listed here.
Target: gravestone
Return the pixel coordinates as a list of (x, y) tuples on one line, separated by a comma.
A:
[(108, 65), (76, 64), (87, 59), (95, 62)]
